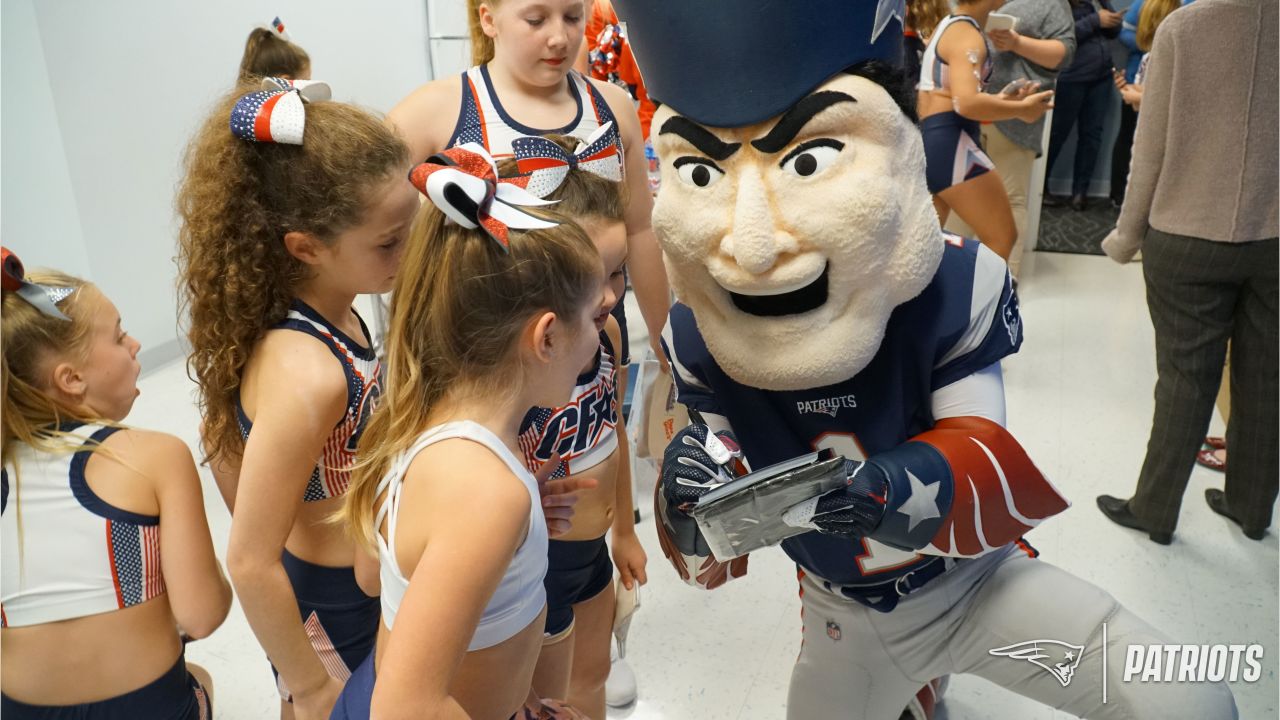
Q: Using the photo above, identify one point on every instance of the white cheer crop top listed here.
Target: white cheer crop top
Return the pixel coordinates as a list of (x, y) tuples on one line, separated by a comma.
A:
[(520, 596), (79, 555), (935, 74)]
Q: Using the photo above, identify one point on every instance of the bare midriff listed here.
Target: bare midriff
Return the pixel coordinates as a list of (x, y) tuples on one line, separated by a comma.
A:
[(593, 514), (91, 658)]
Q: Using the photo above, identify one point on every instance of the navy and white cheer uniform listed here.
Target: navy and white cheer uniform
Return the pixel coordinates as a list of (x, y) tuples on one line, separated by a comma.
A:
[(340, 620), (72, 555), (482, 119), (952, 149), (519, 597), (946, 577), (584, 432)]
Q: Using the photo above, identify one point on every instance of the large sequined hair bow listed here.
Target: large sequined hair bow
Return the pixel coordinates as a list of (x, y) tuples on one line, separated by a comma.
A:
[(44, 298), (275, 113), (543, 165), (463, 182)]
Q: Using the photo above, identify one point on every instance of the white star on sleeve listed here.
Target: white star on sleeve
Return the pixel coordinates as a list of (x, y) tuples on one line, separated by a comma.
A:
[(923, 503)]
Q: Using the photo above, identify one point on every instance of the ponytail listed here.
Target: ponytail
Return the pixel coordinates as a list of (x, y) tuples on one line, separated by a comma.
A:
[(268, 55), (458, 308)]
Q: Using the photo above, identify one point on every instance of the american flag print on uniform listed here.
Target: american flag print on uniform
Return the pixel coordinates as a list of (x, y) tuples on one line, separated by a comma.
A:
[(135, 561), (360, 365)]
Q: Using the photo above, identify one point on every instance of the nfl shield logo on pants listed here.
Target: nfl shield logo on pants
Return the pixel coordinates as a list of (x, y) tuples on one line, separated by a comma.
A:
[(833, 631)]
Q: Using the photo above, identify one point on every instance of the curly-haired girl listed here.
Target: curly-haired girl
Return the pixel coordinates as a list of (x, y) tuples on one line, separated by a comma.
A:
[(290, 208)]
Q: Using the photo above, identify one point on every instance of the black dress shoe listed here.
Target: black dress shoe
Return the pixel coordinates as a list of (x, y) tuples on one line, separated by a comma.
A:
[(1117, 511), (1218, 503), (1079, 202), (1054, 201)]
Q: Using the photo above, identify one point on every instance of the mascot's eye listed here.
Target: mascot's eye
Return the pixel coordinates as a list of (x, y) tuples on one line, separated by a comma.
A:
[(697, 171), (812, 157)]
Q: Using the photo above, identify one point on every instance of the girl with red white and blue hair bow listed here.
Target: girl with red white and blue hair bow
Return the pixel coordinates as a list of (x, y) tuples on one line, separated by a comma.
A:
[(493, 313), (292, 204)]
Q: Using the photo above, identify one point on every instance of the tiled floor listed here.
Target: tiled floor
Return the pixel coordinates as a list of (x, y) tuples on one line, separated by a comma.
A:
[(1079, 399)]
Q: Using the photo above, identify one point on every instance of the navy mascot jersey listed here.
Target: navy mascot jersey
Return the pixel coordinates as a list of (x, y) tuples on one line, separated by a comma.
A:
[(965, 320)]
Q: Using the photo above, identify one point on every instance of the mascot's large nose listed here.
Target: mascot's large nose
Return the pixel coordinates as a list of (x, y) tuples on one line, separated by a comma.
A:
[(755, 241)]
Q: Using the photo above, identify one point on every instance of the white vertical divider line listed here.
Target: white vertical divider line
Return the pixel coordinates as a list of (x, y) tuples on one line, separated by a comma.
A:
[(1104, 663)]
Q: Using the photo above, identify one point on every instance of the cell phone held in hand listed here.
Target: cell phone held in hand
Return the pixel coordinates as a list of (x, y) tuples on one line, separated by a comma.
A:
[(1000, 21), (1015, 86), (746, 514)]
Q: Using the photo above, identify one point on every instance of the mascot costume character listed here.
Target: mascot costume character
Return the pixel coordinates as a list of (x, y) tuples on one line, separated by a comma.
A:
[(820, 306)]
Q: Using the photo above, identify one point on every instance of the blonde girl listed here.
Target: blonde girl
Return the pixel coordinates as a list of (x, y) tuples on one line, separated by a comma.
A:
[(494, 312), (105, 548)]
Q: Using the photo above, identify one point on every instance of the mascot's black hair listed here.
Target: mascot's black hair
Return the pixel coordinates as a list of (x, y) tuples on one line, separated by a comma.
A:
[(895, 80)]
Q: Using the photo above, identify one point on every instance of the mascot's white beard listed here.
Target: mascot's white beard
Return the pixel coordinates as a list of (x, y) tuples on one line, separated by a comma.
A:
[(898, 248)]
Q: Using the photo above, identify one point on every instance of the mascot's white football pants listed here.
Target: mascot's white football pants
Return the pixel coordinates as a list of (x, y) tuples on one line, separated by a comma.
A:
[(859, 664)]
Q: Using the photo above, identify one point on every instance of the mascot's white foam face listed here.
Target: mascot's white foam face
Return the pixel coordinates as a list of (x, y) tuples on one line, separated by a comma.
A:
[(793, 240)]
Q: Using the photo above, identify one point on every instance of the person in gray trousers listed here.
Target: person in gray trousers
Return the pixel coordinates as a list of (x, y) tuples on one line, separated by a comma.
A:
[(1202, 207)]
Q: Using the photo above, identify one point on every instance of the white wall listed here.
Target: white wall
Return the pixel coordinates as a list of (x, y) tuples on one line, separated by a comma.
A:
[(450, 36), (100, 99), (38, 215)]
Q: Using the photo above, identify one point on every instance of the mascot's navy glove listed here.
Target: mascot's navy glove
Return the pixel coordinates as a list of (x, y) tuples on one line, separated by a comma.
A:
[(854, 510), (697, 461)]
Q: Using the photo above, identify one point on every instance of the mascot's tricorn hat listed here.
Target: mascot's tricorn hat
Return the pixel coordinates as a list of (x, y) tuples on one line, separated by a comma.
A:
[(778, 51)]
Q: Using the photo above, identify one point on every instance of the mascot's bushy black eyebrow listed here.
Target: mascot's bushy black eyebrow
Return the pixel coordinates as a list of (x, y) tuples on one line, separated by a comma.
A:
[(778, 137), (697, 136), (794, 120)]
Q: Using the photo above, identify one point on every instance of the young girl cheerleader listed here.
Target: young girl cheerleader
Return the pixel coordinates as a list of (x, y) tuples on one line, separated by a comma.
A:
[(522, 83), (270, 52), (587, 432), (951, 104), (290, 208), (495, 311), (91, 574)]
